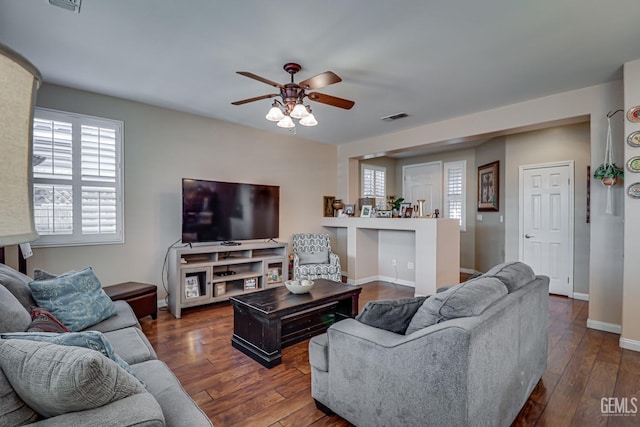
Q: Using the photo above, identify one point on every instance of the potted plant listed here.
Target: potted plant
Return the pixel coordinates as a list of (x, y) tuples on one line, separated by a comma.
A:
[(608, 173), (395, 203)]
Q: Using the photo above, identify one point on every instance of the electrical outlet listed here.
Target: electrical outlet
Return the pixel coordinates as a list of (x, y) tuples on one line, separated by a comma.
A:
[(393, 262), (410, 265)]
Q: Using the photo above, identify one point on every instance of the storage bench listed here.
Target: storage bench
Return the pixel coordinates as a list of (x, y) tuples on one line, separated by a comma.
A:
[(142, 297)]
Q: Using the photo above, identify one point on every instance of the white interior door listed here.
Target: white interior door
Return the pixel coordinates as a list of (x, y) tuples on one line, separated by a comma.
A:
[(423, 181), (546, 223)]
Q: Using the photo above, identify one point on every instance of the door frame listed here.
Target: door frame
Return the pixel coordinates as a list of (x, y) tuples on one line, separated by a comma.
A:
[(413, 165), (572, 196)]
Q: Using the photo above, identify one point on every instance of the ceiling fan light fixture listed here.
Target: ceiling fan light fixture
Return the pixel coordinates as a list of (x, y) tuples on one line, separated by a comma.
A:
[(299, 111), (274, 114), (286, 123), (309, 120)]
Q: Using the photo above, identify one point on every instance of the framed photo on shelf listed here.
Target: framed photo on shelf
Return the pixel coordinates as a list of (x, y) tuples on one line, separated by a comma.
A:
[(383, 214), (488, 186), (349, 210), (274, 275), (403, 210), (365, 212), (191, 287), (327, 205), (250, 283)]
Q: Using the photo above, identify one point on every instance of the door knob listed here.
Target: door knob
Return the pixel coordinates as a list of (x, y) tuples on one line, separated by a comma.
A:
[(528, 236)]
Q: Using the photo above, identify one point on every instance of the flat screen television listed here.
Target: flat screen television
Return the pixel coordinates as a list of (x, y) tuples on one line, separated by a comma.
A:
[(214, 211)]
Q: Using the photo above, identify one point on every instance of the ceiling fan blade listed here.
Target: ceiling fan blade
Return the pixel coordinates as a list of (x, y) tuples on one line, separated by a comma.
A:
[(331, 100), (257, 98), (260, 79), (321, 80)]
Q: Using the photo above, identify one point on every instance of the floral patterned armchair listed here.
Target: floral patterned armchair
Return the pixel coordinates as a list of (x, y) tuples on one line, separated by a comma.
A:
[(313, 259)]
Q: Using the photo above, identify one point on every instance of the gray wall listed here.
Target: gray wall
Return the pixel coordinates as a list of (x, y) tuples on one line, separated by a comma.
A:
[(489, 241)]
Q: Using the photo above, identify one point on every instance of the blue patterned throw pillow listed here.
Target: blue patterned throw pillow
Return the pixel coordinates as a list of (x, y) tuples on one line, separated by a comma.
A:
[(75, 299)]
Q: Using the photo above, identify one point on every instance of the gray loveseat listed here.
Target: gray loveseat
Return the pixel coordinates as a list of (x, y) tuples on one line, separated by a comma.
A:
[(159, 401), (475, 370)]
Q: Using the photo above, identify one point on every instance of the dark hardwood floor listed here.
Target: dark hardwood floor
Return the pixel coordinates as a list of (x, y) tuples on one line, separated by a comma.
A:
[(584, 366)]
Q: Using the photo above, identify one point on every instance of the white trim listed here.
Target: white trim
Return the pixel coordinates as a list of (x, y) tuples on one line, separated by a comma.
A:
[(392, 280), (604, 326), (162, 303), (462, 165), (581, 296), (415, 165), (628, 344), (468, 270), (571, 165), (395, 281)]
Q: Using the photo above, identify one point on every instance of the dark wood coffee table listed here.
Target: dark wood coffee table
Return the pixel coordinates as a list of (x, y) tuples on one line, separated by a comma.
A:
[(265, 321)]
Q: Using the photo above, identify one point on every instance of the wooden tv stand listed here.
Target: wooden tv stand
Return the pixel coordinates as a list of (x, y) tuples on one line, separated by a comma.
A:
[(206, 274)]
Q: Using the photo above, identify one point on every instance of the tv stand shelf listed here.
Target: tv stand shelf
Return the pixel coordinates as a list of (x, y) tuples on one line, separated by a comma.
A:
[(194, 272)]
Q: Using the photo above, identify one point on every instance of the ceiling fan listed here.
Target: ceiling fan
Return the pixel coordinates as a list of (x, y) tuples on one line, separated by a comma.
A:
[(293, 94)]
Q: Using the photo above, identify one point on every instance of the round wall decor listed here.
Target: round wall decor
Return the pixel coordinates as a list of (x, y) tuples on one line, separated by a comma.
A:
[(634, 190), (633, 164), (634, 114), (634, 139)]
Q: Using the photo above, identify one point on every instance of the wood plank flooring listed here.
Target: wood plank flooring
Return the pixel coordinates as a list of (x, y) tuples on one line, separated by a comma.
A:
[(584, 366)]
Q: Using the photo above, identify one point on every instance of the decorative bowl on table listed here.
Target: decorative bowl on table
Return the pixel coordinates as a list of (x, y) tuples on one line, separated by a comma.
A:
[(299, 286)]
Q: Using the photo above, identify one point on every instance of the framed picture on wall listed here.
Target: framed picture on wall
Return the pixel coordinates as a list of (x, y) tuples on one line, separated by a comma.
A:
[(488, 186), (327, 205)]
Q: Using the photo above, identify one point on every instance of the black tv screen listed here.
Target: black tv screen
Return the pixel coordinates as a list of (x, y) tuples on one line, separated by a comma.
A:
[(214, 211)]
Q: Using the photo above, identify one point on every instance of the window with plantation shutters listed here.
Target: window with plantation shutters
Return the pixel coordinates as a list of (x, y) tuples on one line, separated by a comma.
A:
[(374, 185), (77, 181), (454, 194)]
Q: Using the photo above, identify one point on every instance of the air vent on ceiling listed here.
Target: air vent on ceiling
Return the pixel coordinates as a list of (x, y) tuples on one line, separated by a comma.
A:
[(393, 117), (72, 5)]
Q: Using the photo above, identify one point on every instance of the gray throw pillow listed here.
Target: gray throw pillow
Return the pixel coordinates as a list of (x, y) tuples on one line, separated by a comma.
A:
[(390, 315), (317, 257), (13, 410), (54, 379), (93, 340), (75, 299), (18, 285), (514, 274), (467, 299), (13, 316)]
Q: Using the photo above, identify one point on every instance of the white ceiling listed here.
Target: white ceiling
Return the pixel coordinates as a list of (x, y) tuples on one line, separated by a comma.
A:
[(433, 59)]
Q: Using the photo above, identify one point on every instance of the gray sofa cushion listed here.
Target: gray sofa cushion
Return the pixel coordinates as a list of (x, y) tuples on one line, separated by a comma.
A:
[(13, 410), (319, 257), (467, 299), (54, 379), (391, 315), (178, 408), (131, 344), (13, 316), (124, 318), (75, 299), (513, 274), (18, 285)]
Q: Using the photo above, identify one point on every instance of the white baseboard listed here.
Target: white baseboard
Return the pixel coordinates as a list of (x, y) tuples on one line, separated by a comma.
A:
[(630, 344), (383, 279), (162, 303), (467, 270), (397, 281), (581, 296), (604, 326)]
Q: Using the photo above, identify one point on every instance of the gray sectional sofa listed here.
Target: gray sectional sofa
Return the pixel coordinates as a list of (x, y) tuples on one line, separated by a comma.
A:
[(470, 356), (157, 399)]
